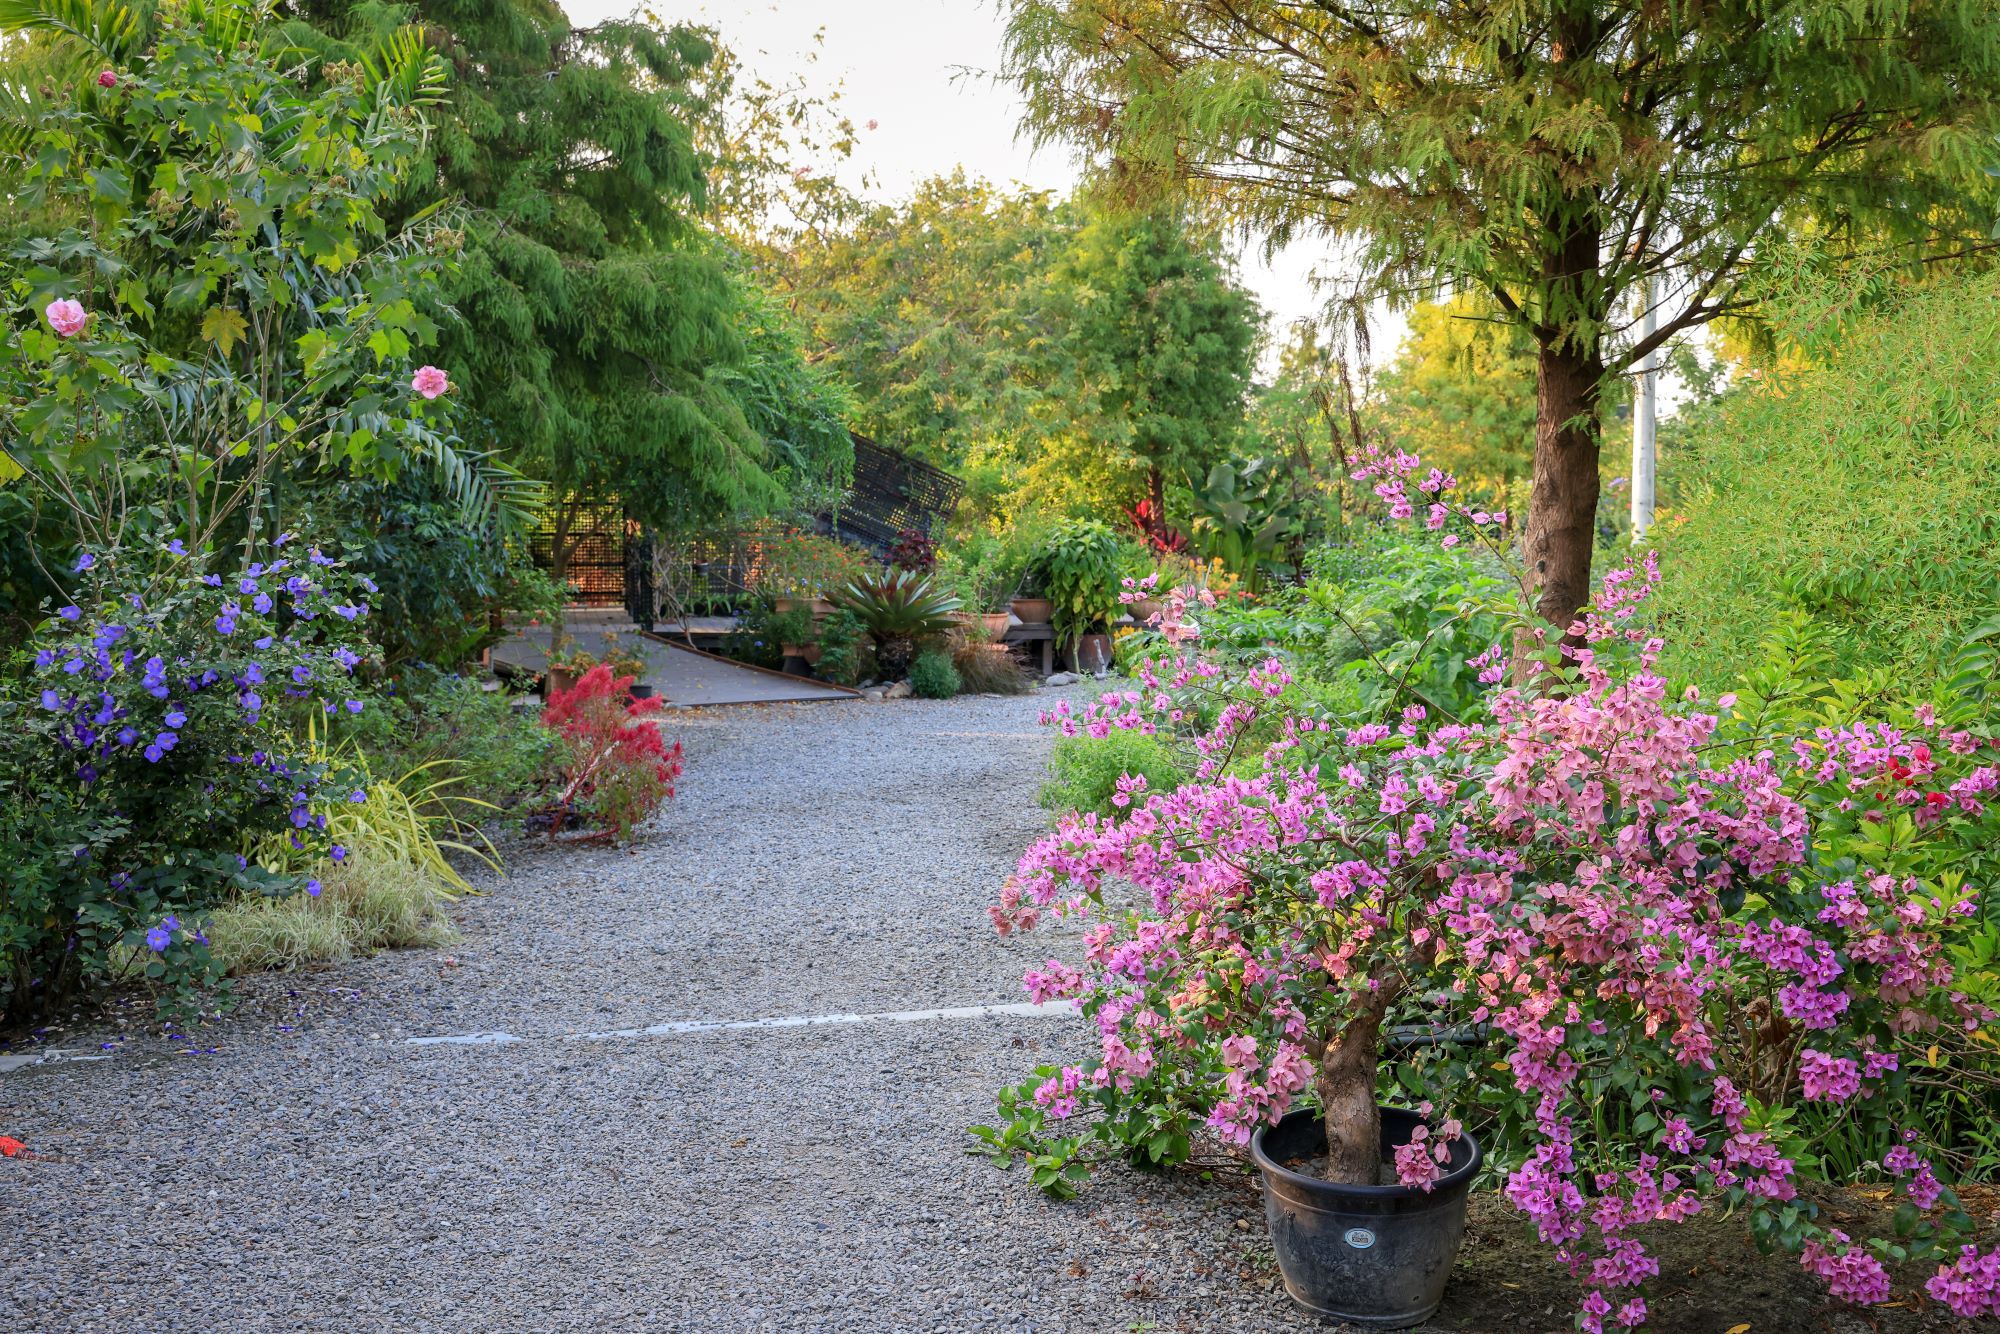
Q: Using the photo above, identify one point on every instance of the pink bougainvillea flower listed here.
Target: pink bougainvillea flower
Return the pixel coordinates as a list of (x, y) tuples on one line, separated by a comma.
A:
[(108, 79), (66, 316), (429, 381)]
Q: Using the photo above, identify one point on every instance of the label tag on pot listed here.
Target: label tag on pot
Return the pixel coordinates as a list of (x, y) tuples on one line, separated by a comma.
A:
[(1360, 1238)]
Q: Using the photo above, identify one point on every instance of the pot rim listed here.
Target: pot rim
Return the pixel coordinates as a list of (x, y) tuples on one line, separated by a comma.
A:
[(1271, 1167)]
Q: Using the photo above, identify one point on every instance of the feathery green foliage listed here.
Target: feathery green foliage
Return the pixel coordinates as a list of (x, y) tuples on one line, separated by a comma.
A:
[(1854, 491), (605, 335)]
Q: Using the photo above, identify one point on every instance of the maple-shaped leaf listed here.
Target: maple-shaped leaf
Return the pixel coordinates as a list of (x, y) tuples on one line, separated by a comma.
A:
[(225, 327)]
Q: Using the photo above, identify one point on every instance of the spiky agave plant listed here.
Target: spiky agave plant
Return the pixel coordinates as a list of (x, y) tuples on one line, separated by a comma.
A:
[(899, 608)]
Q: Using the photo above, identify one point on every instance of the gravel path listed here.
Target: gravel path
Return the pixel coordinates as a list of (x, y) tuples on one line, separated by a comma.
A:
[(302, 1166)]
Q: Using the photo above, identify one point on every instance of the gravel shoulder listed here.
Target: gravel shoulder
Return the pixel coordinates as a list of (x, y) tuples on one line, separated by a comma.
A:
[(300, 1166)]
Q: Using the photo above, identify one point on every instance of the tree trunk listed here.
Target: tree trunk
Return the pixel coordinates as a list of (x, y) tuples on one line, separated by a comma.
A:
[(559, 553), (1562, 514), (1346, 1085), (1156, 495)]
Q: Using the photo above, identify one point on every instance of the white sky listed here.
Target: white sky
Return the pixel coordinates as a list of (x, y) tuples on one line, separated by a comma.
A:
[(922, 71)]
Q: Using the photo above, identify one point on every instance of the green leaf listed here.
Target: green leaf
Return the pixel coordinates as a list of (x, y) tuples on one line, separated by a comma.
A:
[(225, 327)]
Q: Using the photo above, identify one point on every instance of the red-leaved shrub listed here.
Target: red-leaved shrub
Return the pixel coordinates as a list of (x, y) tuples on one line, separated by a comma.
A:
[(616, 767)]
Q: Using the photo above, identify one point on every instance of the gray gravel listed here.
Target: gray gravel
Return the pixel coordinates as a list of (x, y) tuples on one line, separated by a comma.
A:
[(314, 1171)]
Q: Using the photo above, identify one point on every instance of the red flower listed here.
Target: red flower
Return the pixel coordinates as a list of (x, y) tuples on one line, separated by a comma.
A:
[(10, 1147)]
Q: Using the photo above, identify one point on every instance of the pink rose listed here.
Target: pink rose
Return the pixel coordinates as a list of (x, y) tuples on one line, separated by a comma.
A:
[(108, 79), (66, 316), (429, 381)]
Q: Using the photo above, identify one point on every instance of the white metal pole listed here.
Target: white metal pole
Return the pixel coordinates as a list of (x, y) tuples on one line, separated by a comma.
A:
[(1645, 454)]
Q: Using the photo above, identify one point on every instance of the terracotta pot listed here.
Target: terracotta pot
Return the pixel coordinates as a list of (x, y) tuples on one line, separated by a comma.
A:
[(559, 679), (1034, 611), (1145, 609), (809, 652), (821, 608), (996, 623), (783, 605)]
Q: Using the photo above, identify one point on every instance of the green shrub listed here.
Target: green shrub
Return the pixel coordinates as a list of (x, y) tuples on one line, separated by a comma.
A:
[(454, 729), (841, 641), (1857, 493), (1084, 771), (932, 676)]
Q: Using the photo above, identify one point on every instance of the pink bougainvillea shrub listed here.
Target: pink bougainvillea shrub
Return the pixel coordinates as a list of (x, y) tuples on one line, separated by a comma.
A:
[(1668, 933)]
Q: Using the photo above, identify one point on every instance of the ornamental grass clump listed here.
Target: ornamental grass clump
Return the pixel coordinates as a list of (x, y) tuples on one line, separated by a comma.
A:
[(1655, 916), (615, 768)]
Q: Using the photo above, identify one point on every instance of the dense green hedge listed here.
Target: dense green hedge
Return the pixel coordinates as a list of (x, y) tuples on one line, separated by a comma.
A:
[(1862, 493)]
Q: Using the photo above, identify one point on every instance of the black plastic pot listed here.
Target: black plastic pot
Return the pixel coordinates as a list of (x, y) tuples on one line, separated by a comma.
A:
[(1377, 1256)]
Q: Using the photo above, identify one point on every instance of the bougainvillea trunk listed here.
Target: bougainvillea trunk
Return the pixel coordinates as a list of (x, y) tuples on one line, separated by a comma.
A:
[(1346, 1085)]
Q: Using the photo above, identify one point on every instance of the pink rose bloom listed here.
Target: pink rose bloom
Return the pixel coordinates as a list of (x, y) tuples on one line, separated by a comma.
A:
[(429, 381), (108, 79), (66, 317)]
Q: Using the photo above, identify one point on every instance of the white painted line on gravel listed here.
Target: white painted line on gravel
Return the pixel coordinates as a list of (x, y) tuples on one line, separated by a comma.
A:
[(1025, 1008)]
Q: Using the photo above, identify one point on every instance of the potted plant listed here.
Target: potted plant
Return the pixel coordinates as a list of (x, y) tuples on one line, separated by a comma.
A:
[(984, 579), (899, 609), (793, 629), (1080, 564), (799, 568), (567, 665)]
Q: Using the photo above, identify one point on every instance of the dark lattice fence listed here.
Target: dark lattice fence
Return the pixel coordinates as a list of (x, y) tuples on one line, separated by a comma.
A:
[(893, 492), (597, 536), (612, 563)]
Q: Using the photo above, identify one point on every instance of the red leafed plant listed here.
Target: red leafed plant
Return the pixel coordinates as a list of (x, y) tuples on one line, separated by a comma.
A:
[(616, 768)]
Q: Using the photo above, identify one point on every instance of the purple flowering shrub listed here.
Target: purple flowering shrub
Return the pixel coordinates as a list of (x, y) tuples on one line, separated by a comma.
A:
[(1649, 945), (164, 733)]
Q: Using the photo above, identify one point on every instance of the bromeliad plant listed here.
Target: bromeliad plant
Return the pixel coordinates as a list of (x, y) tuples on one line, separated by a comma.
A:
[(1662, 926), (900, 609)]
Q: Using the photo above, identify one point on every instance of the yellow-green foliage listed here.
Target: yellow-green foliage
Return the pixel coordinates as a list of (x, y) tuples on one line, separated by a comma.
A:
[(1859, 492), (363, 905)]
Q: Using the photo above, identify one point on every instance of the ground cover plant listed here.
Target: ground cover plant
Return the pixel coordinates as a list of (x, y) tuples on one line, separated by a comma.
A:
[(1698, 935)]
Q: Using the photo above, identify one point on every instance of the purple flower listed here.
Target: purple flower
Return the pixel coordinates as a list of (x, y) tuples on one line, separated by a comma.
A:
[(126, 736), (153, 754), (247, 586), (160, 937), (262, 603), (301, 674), (176, 718), (312, 889), (167, 740), (176, 548), (346, 612), (357, 796), (354, 706), (85, 562), (338, 853), (70, 613), (45, 657), (212, 580), (253, 674), (51, 700)]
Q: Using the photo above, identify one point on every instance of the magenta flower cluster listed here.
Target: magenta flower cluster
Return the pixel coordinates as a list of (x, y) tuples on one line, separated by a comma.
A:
[(1606, 877)]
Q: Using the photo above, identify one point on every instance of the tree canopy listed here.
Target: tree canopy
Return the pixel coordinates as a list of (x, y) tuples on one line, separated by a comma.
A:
[(611, 342), (1552, 156)]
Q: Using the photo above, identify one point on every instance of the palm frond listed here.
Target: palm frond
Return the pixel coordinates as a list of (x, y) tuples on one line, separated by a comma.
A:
[(107, 28), (404, 71)]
